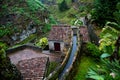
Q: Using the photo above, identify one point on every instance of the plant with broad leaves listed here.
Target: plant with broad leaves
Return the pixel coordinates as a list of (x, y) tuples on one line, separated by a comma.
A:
[(43, 42), (93, 50), (108, 70), (108, 37)]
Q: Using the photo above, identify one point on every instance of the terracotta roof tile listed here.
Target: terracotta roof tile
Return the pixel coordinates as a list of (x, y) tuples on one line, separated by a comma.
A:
[(33, 69), (84, 32), (59, 33)]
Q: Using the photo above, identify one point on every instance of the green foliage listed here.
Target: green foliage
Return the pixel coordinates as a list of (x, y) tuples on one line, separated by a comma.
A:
[(93, 50), (82, 8), (52, 20), (34, 5), (4, 10), (3, 32), (93, 74), (42, 42), (3, 45), (105, 55), (46, 28), (51, 67), (7, 70), (63, 6), (28, 39), (17, 10), (103, 11), (108, 37), (109, 70), (114, 25), (83, 67), (2, 54), (5, 29), (77, 22), (117, 13)]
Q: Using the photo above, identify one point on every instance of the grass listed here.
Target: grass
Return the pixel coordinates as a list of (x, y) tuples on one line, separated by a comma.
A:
[(28, 39), (64, 17), (70, 15), (51, 67), (83, 67)]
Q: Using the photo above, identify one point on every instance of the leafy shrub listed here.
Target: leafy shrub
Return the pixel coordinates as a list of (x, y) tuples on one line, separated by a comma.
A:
[(34, 5), (109, 70), (46, 28), (7, 70), (103, 11), (77, 22), (3, 45), (93, 50), (108, 37), (52, 20), (3, 32), (42, 42), (63, 6)]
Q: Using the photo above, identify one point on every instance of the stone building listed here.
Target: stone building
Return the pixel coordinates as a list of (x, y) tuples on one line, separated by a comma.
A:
[(59, 37)]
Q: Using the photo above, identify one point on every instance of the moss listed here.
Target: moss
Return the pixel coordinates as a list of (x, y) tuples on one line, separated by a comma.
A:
[(28, 39), (83, 67), (3, 45)]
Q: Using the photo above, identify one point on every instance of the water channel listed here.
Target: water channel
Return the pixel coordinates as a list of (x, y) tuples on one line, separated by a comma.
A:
[(70, 60)]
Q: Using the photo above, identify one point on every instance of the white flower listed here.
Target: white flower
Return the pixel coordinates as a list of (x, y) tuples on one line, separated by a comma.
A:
[(112, 74)]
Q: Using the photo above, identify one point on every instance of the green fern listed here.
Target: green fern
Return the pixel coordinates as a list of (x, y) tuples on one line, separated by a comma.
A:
[(93, 74), (108, 37), (109, 70), (34, 5)]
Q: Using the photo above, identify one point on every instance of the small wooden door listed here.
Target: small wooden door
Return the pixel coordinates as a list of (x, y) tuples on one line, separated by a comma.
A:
[(57, 46)]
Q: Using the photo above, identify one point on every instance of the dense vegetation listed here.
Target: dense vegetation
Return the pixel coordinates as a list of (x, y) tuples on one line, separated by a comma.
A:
[(18, 17), (105, 10), (8, 71)]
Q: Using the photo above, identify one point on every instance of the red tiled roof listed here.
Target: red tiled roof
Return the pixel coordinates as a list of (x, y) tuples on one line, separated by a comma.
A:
[(33, 69), (59, 33), (84, 33)]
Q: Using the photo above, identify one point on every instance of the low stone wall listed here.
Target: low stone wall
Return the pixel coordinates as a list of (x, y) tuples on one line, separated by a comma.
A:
[(12, 50), (72, 71), (54, 75)]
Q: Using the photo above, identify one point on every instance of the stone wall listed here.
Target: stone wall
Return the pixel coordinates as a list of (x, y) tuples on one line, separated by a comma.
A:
[(12, 50)]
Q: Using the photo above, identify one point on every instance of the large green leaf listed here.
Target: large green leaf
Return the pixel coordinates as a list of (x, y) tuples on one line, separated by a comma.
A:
[(104, 55)]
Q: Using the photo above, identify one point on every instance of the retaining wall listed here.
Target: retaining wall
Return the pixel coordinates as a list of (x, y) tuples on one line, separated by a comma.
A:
[(21, 47)]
